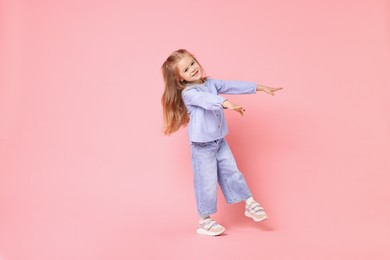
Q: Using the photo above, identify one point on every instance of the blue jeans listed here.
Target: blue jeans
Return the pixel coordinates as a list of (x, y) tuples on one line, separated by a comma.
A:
[(213, 163)]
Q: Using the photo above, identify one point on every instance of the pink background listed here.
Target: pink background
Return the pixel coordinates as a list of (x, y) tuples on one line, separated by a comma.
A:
[(85, 172)]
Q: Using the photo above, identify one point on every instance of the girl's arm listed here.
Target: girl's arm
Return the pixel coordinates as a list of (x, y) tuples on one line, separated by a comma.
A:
[(233, 87), (241, 87), (230, 105), (208, 101)]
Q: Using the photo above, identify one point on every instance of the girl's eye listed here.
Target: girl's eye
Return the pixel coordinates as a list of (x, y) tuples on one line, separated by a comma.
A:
[(192, 63), (185, 70)]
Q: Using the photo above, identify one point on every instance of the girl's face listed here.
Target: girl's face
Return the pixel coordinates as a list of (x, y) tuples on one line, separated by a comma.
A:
[(190, 70)]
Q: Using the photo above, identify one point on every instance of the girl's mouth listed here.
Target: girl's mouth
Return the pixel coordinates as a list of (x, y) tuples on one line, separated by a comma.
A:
[(195, 73)]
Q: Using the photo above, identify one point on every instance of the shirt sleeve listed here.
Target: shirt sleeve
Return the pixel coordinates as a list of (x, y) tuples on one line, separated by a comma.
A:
[(208, 101), (235, 87)]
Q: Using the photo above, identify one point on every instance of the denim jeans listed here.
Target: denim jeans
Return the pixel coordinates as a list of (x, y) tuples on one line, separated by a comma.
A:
[(213, 163)]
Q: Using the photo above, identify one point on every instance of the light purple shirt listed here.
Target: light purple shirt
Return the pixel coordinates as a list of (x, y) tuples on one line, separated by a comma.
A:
[(204, 104)]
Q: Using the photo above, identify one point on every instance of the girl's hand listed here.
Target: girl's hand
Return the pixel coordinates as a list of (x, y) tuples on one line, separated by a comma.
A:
[(229, 105), (267, 90)]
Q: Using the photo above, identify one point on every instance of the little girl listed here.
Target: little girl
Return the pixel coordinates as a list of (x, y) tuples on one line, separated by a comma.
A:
[(191, 97)]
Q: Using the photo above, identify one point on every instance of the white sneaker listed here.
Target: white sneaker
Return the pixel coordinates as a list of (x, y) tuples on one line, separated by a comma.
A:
[(209, 227), (255, 211)]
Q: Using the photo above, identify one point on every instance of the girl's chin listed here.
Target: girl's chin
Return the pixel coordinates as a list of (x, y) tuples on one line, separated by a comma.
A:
[(197, 78)]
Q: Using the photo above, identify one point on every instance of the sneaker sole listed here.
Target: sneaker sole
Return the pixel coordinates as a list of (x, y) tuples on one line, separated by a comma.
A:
[(264, 217), (201, 231)]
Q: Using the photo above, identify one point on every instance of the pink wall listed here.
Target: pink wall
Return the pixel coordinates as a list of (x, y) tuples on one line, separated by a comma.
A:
[(85, 172)]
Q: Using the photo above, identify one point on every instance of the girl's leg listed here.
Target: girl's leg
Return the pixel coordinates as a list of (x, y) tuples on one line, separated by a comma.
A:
[(232, 182), (204, 165)]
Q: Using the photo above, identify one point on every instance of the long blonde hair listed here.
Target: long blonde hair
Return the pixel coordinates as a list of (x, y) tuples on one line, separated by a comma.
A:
[(174, 110)]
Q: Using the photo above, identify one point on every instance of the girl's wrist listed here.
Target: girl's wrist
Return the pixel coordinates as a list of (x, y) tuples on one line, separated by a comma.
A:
[(259, 87), (225, 103)]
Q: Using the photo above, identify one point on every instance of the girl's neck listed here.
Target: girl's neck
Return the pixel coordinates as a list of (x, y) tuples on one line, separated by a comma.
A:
[(199, 82)]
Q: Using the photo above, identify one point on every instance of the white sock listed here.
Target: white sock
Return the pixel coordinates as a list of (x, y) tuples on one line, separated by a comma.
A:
[(201, 218), (249, 201)]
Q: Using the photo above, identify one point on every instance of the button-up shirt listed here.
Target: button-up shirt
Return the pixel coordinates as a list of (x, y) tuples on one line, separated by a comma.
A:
[(204, 105)]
